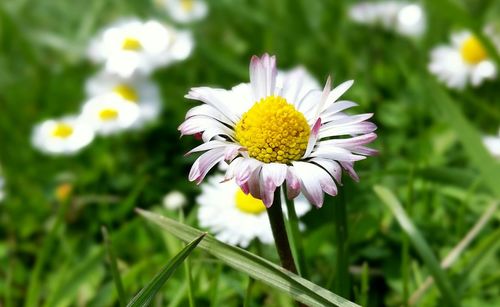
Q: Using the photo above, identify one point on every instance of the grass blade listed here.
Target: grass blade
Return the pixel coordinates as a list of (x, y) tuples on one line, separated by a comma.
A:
[(122, 298), (144, 297), (258, 268), (444, 285)]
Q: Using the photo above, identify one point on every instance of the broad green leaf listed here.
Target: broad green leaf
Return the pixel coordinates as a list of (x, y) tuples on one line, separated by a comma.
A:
[(146, 295), (420, 244), (258, 268), (122, 298)]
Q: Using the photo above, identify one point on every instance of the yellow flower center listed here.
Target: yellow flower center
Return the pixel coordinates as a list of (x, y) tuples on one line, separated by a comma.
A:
[(249, 204), (108, 114), (132, 44), (472, 51), (62, 130), (187, 5), (273, 131), (126, 92)]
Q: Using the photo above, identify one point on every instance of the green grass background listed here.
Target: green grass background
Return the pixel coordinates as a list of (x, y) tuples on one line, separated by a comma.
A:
[(425, 157)]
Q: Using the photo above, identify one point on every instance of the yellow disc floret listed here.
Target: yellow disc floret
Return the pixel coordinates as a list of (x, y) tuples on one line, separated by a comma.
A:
[(187, 5), (248, 204), (108, 114), (126, 92), (273, 131), (472, 51), (62, 130), (131, 43)]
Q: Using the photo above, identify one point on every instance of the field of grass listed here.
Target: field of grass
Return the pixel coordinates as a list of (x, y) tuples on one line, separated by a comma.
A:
[(432, 191)]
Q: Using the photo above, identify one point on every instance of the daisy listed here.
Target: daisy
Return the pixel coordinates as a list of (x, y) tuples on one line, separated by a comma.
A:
[(110, 113), (274, 132), (63, 136), (133, 46), (174, 200), (138, 90), (464, 61), (185, 11), (407, 19), (492, 143), (235, 217)]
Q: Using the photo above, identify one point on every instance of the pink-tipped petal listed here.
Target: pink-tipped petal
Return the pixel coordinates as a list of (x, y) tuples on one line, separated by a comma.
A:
[(349, 168), (292, 184), (205, 163), (313, 137)]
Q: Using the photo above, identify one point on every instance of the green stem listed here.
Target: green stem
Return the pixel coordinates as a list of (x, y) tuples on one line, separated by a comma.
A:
[(340, 212), (248, 294), (187, 270), (122, 298), (275, 214), (295, 237)]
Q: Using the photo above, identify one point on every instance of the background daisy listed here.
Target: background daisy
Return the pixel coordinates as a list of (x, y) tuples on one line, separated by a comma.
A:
[(133, 46), (110, 113), (234, 217), (139, 90), (62, 136), (185, 11), (463, 62)]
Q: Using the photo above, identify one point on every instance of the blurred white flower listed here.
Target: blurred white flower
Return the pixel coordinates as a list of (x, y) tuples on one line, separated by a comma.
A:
[(185, 11), (405, 18), (133, 46), (63, 136), (110, 113), (2, 192), (233, 216), (464, 61), (174, 200), (137, 90), (492, 143)]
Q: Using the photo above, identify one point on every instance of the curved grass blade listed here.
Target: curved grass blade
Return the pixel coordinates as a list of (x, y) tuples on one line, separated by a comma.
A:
[(258, 268), (122, 298), (444, 285), (146, 295)]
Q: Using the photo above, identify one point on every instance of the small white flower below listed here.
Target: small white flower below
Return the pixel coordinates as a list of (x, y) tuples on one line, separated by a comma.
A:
[(63, 136), (174, 200), (138, 90), (110, 114), (132, 46), (463, 62), (234, 217)]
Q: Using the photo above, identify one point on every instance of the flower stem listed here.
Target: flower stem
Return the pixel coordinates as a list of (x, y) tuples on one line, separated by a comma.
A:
[(340, 212), (295, 237), (275, 214)]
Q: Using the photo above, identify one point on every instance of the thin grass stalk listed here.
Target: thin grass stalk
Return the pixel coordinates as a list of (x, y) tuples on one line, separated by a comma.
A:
[(342, 271), (296, 238)]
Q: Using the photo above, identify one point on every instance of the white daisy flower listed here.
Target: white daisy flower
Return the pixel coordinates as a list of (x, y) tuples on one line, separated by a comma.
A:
[(132, 46), (235, 217), (271, 132), (63, 136), (174, 200), (110, 113), (492, 143), (464, 61), (185, 11), (138, 90), (405, 18)]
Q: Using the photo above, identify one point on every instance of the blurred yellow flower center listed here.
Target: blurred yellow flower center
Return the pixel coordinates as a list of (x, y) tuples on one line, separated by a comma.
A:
[(130, 43), (273, 131), (187, 5), (249, 204), (126, 92), (472, 51), (62, 130), (108, 114)]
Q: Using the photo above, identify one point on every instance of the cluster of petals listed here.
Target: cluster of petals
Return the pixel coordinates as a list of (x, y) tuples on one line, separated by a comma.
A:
[(337, 139)]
